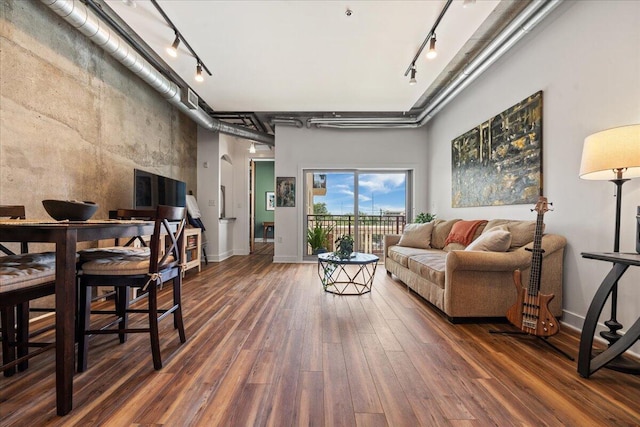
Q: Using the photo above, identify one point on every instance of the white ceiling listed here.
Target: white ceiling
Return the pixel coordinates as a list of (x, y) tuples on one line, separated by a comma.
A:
[(293, 56)]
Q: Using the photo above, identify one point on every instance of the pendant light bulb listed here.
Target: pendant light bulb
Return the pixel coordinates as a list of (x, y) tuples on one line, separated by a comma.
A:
[(252, 148), (199, 77), (413, 80), (432, 53), (173, 49)]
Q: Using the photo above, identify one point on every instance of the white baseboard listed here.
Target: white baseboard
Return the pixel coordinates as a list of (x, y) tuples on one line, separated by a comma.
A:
[(575, 321)]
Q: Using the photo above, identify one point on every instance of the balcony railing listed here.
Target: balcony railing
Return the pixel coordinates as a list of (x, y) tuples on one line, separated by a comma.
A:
[(371, 229)]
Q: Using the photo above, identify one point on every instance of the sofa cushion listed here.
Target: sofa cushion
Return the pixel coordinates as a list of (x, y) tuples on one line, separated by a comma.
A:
[(430, 265), (521, 231), (441, 229), (417, 235), (463, 232), (497, 239), (401, 254)]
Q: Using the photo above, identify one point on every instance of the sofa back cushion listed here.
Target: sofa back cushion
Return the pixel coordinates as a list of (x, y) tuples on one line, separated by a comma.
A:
[(441, 230), (417, 235), (521, 231)]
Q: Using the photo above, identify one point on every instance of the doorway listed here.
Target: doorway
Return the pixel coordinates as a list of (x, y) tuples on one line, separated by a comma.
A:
[(366, 204), (262, 208)]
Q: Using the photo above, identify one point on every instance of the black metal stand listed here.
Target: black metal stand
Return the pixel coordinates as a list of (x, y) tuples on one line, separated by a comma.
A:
[(544, 340), (612, 336)]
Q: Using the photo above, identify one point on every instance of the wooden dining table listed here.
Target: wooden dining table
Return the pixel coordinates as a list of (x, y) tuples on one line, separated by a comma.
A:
[(65, 235)]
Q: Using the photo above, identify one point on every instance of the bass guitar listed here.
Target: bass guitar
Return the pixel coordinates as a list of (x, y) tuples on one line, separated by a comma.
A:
[(531, 312)]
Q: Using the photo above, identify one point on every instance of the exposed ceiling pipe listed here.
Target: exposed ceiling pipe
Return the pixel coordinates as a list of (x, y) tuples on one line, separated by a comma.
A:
[(78, 15), (287, 121), (518, 28)]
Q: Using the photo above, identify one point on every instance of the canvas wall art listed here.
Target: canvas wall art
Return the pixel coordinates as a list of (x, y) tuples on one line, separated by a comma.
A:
[(500, 161), (285, 192)]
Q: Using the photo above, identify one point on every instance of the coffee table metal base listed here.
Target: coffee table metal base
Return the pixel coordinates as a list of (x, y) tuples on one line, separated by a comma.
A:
[(352, 276)]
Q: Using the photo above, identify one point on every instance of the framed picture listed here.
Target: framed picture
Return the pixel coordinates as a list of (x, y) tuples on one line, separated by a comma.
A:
[(270, 201), (285, 192)]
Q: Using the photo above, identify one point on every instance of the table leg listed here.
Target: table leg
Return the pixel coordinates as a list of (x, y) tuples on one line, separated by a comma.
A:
[(585, 366), (65, 319)]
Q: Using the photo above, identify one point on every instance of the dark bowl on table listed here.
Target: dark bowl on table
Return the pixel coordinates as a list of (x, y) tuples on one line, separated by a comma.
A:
[(72, 210)]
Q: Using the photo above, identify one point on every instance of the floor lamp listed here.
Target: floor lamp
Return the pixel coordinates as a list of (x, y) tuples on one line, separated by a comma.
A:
[(613, 155)]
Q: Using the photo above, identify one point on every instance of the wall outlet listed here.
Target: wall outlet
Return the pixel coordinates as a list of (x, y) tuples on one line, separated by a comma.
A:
[(212, 202), (279, 239)]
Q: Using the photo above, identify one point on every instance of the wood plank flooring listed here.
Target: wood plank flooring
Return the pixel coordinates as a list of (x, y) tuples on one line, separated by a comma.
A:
[(267, 347)]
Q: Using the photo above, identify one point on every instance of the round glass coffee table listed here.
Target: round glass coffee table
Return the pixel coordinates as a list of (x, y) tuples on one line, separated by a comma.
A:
[(347, 276)]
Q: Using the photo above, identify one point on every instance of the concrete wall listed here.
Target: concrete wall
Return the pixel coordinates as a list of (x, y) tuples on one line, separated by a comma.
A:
[(586, 60), (74, 123)]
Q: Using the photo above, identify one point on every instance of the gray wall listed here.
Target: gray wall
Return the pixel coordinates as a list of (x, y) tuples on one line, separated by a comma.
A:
[(586, 60), (74, 123), (299, 149)]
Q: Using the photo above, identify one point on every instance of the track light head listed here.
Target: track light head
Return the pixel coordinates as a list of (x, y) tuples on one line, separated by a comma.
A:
[(173, 49), (413, 80), (199, 77), (432, 53)]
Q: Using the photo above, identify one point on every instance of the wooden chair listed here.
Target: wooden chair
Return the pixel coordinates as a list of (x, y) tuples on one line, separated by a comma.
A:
[(23, 277), (145, 271)]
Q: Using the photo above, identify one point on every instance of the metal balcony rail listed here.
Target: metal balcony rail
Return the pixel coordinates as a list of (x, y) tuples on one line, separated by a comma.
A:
[(371, 230)]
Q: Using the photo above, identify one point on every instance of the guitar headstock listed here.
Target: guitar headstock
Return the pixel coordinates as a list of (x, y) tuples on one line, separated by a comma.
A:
[(542, 206)]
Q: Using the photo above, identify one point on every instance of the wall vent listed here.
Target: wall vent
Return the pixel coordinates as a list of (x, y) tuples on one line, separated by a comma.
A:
[(189, 98)]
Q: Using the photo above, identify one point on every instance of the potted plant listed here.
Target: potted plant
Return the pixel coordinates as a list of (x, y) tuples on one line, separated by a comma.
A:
[(317, 237), (344, 246), (424, 217)]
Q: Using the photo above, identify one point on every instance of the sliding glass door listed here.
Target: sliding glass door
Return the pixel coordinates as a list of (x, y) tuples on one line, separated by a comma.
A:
[(364, 204)]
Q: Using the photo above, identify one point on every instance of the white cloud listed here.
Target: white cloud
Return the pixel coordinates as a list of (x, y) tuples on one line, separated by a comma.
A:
[(381, 183)]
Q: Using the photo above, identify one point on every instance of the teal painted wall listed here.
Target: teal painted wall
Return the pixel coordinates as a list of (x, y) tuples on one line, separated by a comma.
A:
[(265, 181)]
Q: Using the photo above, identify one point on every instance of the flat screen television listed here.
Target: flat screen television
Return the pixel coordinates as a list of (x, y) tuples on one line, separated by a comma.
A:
[(151, 190)]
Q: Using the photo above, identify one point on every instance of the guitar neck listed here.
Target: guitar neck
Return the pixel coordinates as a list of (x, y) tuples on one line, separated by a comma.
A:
[(536, 257)]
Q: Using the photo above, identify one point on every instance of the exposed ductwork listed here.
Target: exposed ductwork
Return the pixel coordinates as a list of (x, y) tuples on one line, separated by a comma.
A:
[(531, 16), (78, 15)]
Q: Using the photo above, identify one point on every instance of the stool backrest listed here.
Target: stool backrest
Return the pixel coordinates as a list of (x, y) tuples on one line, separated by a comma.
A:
[(169, 225)]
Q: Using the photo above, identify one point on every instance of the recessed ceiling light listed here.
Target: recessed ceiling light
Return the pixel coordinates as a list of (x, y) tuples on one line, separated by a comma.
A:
[(130, 3)]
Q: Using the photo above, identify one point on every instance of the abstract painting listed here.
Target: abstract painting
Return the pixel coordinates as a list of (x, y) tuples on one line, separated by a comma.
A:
[(500, 161), (285, 192)]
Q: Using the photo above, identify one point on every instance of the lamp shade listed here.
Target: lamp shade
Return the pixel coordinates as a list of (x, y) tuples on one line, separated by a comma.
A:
[(610, 150)]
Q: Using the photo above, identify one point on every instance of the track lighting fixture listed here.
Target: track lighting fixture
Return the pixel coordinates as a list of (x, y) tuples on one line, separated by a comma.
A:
[(432, 53), (413, 80), (431, 37), (173, 49), (252, 148)]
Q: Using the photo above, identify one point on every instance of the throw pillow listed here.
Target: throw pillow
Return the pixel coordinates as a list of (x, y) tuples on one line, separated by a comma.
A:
[(417, 235), (463, 232), (497, 239)]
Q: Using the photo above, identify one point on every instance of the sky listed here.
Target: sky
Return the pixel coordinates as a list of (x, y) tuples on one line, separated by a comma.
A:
[(378, 191)]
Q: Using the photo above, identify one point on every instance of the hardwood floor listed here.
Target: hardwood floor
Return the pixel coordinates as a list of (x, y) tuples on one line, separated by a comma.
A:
[(266, 346)]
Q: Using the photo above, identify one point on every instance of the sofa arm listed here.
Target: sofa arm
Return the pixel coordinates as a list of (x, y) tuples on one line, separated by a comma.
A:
[(502, 261), (390, 240)]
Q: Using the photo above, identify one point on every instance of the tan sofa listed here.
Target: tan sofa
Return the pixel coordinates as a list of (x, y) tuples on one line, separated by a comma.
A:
[(468, 284)]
